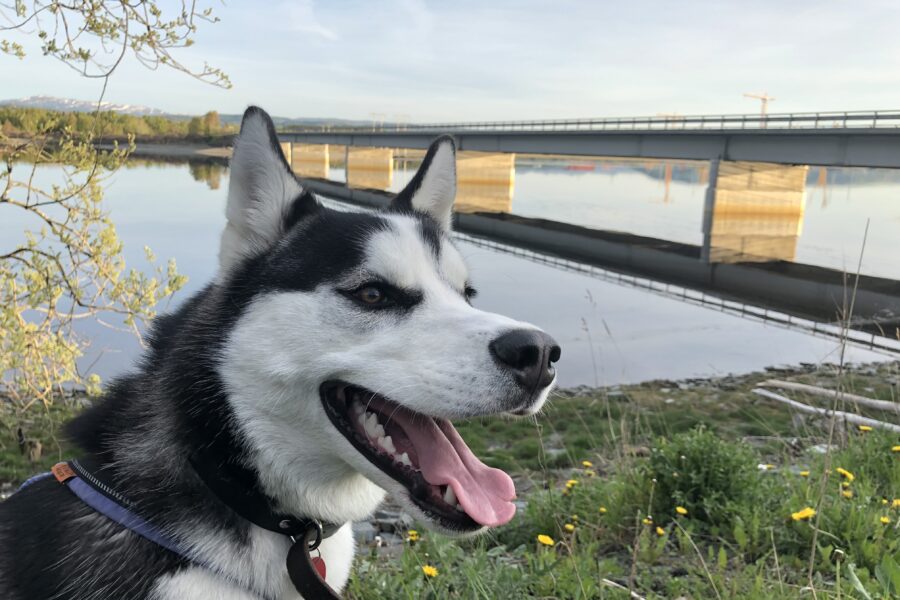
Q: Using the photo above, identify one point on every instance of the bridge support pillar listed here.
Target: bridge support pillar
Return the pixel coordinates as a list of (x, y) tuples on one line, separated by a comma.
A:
[(286, 150), (485, 182), (371, 168), (309, 160), (753, 212)]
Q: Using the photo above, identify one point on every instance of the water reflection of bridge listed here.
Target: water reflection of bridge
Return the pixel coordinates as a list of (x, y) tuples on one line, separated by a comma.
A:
[(870, 340), (789, 294), (754, 211)]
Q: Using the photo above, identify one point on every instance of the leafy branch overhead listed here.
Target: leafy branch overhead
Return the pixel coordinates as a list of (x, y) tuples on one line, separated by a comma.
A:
[(67, 265), (94, 37)]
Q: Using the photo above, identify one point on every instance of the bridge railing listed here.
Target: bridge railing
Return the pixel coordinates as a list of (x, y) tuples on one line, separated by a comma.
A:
[(811, 120)]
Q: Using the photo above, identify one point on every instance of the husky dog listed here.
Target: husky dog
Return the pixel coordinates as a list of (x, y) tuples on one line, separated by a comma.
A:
[(322, 368)]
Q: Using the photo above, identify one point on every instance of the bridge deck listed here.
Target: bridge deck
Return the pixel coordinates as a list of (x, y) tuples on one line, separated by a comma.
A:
[(832, 147)]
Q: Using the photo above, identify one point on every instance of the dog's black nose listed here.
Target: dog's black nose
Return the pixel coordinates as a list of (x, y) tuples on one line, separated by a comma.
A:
[(530, 355)]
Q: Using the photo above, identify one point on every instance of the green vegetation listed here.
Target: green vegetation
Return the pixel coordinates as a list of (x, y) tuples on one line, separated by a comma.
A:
[(68, 263), (31, 441), (735, 509), (16, 122)]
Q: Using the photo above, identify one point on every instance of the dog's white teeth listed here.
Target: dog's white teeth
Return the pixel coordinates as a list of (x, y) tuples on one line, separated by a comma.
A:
[(458, 507), (388, 444), (404, 459), (361, 419), (378, 430), (370, 424), (450, 496), (358, 409)]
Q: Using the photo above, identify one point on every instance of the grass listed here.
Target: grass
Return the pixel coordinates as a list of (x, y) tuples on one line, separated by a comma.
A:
[(39, 425), (740, 468)]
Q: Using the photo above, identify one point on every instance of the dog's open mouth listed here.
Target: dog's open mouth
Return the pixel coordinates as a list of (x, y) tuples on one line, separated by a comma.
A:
[(425, 454)]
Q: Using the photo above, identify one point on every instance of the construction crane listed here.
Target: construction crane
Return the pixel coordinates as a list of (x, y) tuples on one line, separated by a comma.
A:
[(764, 100)]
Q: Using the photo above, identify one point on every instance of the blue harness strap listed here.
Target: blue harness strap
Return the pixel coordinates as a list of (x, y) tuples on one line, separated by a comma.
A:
[(34, 479), (112, 506), (121, 515), (303, 570), (71, 474)]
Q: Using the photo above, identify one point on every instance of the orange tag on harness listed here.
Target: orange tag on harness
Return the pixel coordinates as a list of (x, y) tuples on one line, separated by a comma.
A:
[(63, 472)]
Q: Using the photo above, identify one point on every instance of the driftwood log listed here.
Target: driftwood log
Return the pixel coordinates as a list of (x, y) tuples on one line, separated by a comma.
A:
[(825, 412), (885, 405)]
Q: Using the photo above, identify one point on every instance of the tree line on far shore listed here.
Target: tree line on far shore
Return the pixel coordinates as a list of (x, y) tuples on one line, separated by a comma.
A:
[(19, 121)]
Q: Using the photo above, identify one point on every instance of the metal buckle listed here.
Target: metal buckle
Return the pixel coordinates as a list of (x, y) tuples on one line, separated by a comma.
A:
[(318, 525)]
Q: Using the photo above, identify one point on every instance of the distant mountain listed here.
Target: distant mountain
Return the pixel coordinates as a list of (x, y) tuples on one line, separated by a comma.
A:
[(70, 105)]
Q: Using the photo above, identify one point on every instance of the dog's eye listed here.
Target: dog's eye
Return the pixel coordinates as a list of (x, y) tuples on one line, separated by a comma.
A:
[(470, 292), (371, 295)]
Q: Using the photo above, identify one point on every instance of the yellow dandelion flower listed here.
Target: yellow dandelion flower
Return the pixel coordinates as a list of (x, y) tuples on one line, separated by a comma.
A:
[(895, 503), (885, 521), (884, 501), (569, 527), (864, 428), (846, 474), (574, 518), (895, 449), (681, 510), (571, 483), (660, 531), (804, 514), (546, 540), (602, 510), (847, 493), (647, 520), (845, 484), (587, 464), (429, 571), (412, 535), (590, 473), (804, 473)]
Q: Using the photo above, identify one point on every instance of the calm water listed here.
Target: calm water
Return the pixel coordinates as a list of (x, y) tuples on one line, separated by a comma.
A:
[(610, 333), (635, 197)]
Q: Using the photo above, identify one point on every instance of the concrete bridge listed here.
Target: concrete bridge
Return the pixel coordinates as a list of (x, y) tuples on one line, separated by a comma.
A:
[(838, 139)]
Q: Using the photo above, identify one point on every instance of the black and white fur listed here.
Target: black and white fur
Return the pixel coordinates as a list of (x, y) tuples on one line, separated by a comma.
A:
[(237, 369)]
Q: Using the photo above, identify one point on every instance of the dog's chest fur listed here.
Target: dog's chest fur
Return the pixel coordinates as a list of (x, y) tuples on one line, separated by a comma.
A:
[(263, 561)]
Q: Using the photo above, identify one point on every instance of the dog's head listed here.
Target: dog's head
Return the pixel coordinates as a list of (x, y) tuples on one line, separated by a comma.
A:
[(357, 344)]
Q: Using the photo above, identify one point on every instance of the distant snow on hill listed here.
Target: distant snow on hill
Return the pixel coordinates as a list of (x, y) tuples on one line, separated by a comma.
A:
[(70, 105)]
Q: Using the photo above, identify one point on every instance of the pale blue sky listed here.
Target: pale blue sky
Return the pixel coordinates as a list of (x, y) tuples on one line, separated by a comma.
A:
[(462, 60)]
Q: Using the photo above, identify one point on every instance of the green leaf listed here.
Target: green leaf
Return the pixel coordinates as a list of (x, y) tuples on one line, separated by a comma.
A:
[(888, 575), (855, 582), (740, 535)]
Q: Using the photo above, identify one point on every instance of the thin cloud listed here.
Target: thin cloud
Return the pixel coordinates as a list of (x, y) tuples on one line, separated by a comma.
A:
[(301, 18)]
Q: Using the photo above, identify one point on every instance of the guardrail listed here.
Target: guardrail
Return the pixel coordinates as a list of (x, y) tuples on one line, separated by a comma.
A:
[(884, 119)]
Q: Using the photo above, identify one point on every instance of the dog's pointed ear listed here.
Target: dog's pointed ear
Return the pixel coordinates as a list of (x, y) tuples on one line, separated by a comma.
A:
[(433, 188), (264, 196)]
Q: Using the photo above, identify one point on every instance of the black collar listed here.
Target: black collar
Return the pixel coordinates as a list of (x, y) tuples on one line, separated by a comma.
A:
[(238, 488)]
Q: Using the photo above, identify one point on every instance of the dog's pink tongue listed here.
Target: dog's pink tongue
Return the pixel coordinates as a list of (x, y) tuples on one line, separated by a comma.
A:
[(445, 459)]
